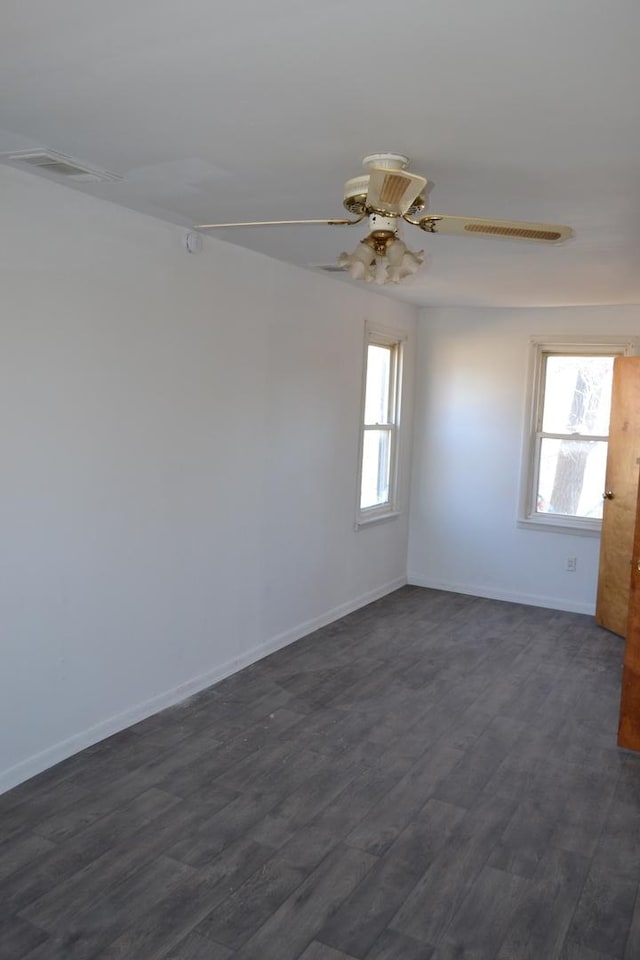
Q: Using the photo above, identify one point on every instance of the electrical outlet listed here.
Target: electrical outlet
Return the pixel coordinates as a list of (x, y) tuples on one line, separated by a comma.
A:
[(570, 565)]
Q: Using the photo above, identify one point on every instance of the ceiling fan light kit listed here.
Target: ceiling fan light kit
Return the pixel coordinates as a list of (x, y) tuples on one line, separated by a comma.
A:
[(389, 194), (382, 257)]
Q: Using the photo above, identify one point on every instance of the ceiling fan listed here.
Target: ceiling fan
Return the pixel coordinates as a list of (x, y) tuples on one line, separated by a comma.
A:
[(389, 194)]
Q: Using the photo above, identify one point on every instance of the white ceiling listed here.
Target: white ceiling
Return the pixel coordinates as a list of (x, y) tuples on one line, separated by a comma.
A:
[(261, 109)]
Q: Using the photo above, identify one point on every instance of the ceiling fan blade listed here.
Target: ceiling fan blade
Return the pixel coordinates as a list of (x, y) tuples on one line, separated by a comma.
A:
[(488, 227), (275, 223), (393, 192)]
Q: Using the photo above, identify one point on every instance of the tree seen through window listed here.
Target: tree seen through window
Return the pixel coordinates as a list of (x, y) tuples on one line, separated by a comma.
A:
[(572, 435)]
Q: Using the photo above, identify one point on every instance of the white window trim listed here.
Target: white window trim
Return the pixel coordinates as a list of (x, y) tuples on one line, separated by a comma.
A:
[(539, 347), (386, 337)]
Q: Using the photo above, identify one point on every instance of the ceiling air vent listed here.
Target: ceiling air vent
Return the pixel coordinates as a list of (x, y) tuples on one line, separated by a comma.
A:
[(328, 267), (48, 161)]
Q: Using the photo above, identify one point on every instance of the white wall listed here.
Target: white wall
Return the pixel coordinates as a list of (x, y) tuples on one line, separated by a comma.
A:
[(179, 446), (471, 371)]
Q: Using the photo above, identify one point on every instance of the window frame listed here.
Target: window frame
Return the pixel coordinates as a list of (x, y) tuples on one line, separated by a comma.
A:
[(541, 348), (394, 340)]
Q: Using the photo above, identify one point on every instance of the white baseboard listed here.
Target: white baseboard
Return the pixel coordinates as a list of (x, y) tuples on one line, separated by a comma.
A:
[(35, 764), (531, 600)]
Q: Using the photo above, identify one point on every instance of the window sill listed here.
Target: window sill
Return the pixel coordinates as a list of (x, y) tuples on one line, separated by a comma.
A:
[(376, 518), (561, 525)]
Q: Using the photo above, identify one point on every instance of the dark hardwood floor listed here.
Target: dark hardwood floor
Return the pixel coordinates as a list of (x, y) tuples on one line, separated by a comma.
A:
[(434, 777)]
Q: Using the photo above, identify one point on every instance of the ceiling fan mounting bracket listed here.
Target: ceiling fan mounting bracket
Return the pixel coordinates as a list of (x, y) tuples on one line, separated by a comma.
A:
[(389, 161)]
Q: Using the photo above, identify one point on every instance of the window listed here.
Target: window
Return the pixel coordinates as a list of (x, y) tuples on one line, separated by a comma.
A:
[(569, 425), (380, 428)]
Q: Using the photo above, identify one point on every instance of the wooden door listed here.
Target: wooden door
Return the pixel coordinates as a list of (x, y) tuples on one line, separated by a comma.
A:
[(629, 726), (621, 491)]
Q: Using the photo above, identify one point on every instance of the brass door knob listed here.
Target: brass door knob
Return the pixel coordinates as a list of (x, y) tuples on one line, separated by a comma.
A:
[(607, 495)]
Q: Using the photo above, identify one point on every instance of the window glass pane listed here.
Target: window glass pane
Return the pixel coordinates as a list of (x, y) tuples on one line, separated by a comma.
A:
[(577, 396), (376, 405), (375, 468), (571, 479)]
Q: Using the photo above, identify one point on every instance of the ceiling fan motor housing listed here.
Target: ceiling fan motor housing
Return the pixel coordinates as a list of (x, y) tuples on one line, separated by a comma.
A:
[(388, 189), (355, 194), (357, 188)]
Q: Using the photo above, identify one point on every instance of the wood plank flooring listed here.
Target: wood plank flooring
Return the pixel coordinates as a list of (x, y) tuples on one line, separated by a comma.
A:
[(434, 777)]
